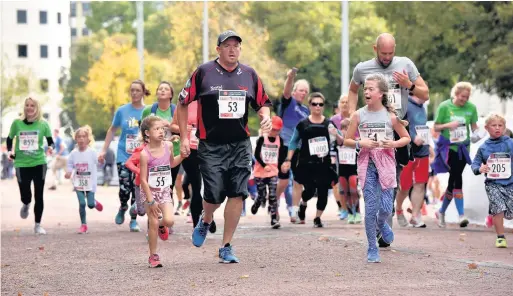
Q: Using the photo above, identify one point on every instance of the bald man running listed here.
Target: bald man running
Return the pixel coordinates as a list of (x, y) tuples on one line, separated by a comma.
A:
[(403, 78)]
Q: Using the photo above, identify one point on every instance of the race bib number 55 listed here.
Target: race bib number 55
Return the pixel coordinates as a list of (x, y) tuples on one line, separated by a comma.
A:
[(232, 104), (159, 177)]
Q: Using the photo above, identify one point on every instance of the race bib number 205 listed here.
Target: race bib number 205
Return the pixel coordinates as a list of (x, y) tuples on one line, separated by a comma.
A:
[(500, 166), (232, 104)]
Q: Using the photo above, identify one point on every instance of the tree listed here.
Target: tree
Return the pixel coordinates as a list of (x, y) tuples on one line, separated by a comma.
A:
[(306, 35), (468, 41), (109, 81)]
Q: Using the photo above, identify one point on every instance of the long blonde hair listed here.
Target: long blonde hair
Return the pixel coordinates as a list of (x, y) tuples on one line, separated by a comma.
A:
[(89, 133), (38, 114)]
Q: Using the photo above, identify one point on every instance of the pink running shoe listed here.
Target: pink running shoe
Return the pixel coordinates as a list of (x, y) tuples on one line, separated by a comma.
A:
[(489, 221), (98, 206), (154, 261), (82, 229), (163, 233)]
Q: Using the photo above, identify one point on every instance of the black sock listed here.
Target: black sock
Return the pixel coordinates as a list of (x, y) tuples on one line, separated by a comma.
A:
[(339, 205), (227, 245), (501, 236)]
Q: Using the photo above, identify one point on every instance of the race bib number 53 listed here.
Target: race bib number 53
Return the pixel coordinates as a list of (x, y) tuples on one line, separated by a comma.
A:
[(500, 166), (232, 104)]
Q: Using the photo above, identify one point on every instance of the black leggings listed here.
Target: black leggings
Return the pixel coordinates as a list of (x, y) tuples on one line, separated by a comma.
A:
[(25, 177), (185, 187), (322, 194), (191, 168), (457, 166)]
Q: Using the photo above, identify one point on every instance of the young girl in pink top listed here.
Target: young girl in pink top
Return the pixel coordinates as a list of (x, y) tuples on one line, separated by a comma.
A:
[(376, 160), (156, 163)]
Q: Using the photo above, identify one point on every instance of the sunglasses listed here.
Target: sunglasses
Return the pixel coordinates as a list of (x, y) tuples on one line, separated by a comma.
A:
[(317, 104)]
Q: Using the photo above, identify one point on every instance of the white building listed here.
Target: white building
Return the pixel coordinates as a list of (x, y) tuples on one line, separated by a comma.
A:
[(35, 34), (79, 10)]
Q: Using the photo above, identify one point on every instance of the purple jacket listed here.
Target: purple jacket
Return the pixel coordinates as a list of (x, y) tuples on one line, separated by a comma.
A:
[(441, 163)]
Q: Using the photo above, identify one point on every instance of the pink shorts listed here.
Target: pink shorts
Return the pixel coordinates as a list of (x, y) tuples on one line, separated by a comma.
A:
[(160, 197)]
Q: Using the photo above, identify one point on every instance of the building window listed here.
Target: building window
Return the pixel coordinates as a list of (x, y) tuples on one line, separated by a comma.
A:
[(59, 52), (73, 32), (44, 51), (43, 83), (73, 9), (21, 16), (85, 32), (86, 8), (43, 17), (22, 51), (58, 17)]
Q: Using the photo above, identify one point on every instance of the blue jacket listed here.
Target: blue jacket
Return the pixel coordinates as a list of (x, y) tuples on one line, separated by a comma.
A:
[(503, 144), (441, 163)]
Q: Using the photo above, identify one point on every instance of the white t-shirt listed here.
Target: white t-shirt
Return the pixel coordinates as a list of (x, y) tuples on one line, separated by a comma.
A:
[(84, 164)]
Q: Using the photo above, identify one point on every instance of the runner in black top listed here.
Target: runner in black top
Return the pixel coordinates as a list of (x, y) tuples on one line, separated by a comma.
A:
[(224, 89)]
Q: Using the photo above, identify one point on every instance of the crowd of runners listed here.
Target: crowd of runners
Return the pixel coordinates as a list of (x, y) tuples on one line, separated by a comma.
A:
[(383, 152)]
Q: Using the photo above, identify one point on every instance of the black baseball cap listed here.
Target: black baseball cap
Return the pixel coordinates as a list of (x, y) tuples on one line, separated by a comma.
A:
[(227, 34)]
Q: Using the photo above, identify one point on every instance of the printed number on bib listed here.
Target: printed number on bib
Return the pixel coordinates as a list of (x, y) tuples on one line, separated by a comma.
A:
[(459, 134), (269, 154), (29, 140), (394, 96), (346, 155), (232, 104), (318, 146), (82, 181), (423, 133), (500, 166), (159, 177), (131, 143), (376, 131)]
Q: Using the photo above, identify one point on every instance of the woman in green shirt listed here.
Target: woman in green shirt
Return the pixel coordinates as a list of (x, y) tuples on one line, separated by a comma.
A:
[(164, 109), (29, 157), (456, 119)]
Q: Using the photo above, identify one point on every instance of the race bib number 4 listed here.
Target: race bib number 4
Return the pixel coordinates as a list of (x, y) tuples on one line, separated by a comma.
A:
[(346, 155), (269, 154), (459, 134), (423, 133), (29, 140), (500, 166), (159, 177), (318, 146), (394, 96), (82, 181), (131, 143), (374, 131), (232, 104)]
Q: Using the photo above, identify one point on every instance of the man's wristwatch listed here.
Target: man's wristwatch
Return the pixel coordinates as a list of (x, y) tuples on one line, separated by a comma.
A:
[(286, 160), (412, 87)]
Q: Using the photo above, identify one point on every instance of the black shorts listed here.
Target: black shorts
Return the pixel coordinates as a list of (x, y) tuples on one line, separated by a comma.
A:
[(319, 174), (225, 169), (293, 165), (347, 170)]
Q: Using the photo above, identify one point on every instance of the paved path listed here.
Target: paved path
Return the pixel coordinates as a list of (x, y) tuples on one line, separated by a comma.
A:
[(295, 260)]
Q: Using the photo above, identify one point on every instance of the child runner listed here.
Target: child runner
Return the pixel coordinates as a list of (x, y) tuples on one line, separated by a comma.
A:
[(376, 160), (84, 161), (348, 177), (269, 154), (493, 158), (156, 163), (457, 120)]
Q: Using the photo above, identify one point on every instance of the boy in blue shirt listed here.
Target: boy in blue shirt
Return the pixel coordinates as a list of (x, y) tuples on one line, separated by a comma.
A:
[(494, 159)]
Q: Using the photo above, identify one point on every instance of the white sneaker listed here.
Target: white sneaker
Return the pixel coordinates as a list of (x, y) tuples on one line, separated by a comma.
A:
[(441, 219), (463, 221), (401, 219), (24, 212), (38, 229)]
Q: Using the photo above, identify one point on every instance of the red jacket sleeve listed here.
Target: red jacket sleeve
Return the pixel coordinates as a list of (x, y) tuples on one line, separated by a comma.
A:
[(133, 162)]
